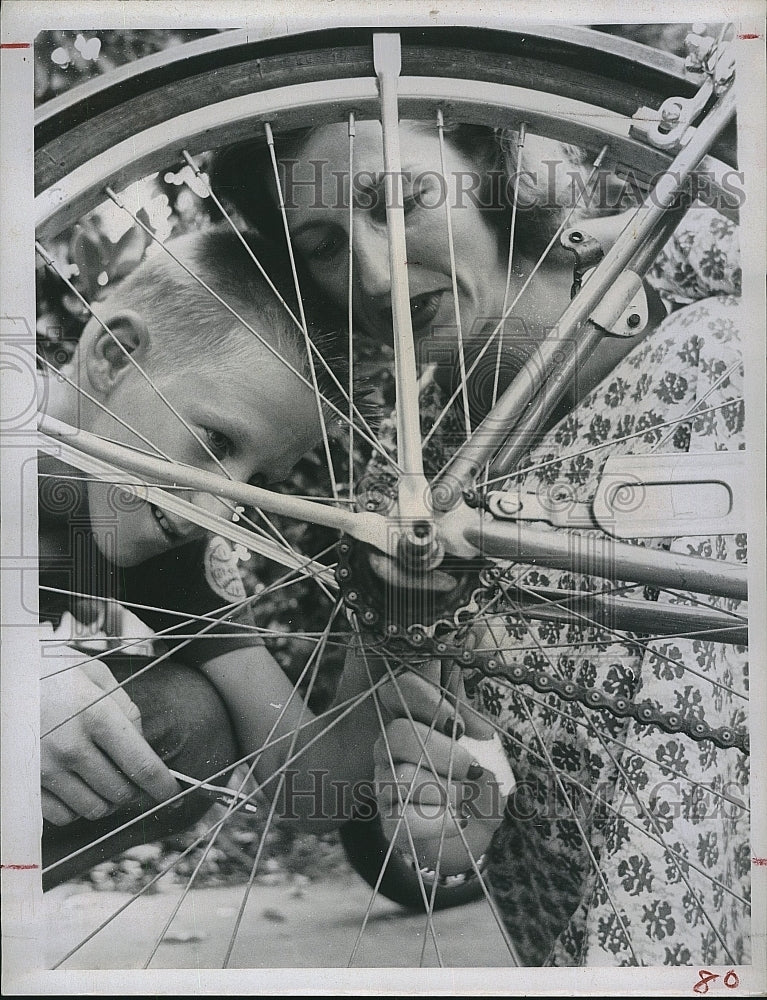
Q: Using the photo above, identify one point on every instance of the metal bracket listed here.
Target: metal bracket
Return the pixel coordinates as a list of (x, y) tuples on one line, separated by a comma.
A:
[(558, 509), (588, 253), (671, 126), (623, 311), (655, 496)]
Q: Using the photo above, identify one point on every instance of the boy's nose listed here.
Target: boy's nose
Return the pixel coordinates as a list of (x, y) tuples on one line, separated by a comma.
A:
[(210, 504)]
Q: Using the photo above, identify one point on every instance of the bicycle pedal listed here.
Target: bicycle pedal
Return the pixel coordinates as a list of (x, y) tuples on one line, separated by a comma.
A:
[(649, 496)]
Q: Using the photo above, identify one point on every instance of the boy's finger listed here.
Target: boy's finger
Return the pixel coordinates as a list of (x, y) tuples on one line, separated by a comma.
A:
[(406, 740), (131, 753), (103, 777), (74, 793), (54, 811), (428, 790), (99, 673)]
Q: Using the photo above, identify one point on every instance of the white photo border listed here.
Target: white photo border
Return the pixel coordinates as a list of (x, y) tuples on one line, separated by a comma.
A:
[(22, 897)]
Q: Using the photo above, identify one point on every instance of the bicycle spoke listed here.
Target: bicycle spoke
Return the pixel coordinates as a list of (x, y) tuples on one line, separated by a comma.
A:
[(211, 620), (521, 135), (499, 922), (627, 637), (317, 657), (155, 662), (453, 275), (441, 844), (215, 617), (299, 297), (711, 389), (402, 820), (285, 580), (350, 303), (317, 652)]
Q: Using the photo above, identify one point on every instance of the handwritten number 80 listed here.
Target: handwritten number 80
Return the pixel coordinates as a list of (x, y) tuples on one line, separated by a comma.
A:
[(730, 980)]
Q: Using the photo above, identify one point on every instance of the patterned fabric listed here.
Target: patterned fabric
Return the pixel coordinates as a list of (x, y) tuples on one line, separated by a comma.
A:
[(624, 845)]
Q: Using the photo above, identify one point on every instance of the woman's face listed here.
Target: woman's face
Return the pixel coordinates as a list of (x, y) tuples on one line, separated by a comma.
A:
[(318, 213)]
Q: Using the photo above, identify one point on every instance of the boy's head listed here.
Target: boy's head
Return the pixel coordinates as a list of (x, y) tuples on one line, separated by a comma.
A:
[(177, 375)]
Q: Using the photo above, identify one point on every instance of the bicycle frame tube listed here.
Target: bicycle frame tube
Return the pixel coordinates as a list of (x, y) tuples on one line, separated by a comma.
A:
[(517, 403), (597, 555), (412, 488), (370, 528), (558, 382), (639, 616)]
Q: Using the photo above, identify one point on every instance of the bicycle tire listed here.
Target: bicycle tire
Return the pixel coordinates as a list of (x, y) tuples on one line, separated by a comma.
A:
[(591, 67)]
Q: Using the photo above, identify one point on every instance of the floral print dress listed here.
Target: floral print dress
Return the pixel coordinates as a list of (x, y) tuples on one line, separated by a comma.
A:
[(624, 845)]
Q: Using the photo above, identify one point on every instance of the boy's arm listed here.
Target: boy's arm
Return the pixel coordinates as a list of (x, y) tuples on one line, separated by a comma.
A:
[(274, 725), (346, 745)]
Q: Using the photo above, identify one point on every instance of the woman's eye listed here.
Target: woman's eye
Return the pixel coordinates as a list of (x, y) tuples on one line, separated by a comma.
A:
[(219, 444), (322, 245), (409, 202), (327, 249)]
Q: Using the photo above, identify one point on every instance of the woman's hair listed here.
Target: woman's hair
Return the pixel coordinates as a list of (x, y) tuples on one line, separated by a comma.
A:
[(552, 180)]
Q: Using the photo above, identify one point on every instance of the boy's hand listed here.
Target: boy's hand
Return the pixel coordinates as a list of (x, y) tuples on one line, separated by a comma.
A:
[(98, 760)]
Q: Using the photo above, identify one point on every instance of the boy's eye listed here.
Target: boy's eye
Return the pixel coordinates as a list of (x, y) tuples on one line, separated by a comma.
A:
[(219, 444)]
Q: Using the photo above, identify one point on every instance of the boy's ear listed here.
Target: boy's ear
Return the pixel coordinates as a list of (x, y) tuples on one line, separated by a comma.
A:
[(108, 356)]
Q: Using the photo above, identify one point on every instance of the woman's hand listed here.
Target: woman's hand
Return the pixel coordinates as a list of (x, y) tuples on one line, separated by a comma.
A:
[(434, 797), (94, 758)]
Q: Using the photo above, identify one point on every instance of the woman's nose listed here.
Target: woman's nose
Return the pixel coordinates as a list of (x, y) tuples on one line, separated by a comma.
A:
[(370, 262)]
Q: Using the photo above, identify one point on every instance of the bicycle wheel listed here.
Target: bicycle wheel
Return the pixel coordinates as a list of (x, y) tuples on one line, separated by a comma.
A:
[(568, 84)]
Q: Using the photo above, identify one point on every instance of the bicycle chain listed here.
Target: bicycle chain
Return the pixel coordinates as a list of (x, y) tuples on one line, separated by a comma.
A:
[(429, 642)]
